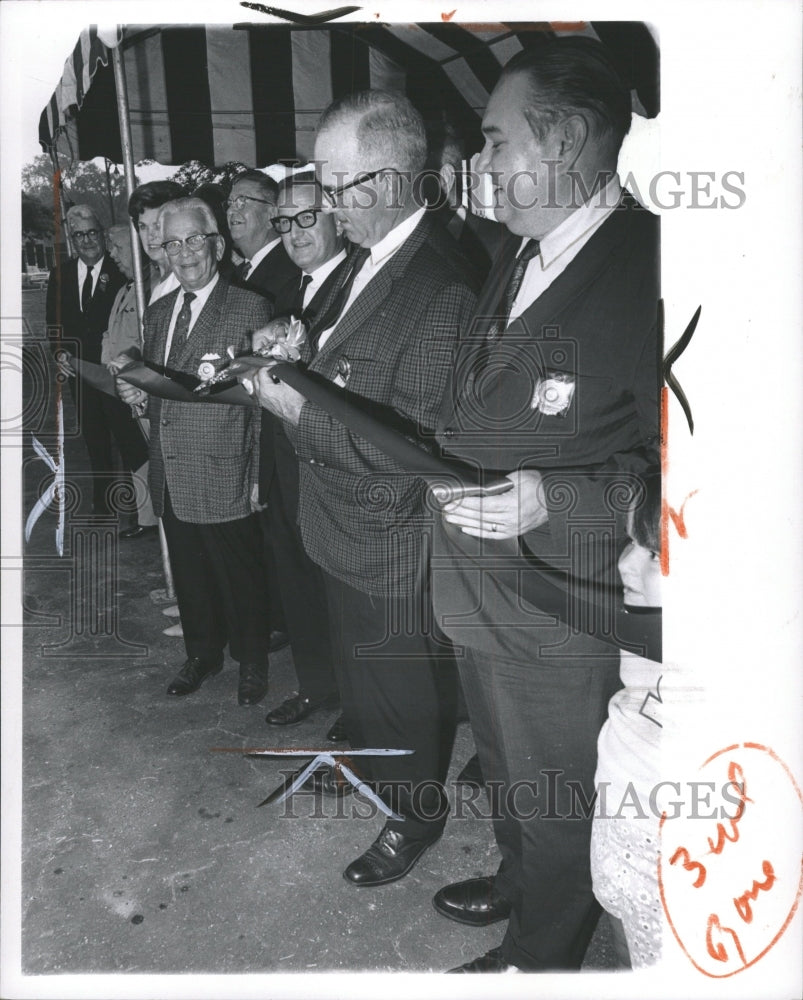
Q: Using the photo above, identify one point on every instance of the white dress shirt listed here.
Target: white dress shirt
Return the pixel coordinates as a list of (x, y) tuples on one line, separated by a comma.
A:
[(381, 253), (97, 267), (197, 304), (319, 275), (562, 245)]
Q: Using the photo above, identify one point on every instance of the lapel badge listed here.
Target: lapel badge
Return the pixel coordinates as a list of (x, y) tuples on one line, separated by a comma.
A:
[(343, 370)]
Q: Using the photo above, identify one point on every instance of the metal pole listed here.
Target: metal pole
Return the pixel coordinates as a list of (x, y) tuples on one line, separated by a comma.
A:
[(139, 281)]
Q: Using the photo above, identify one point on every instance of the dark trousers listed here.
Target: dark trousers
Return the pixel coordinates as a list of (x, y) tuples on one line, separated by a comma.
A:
[(301, 588), (538, 722), (398, 691), (220, 587)]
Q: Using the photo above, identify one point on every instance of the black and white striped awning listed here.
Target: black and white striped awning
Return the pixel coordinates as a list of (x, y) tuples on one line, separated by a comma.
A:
[(253, 92)]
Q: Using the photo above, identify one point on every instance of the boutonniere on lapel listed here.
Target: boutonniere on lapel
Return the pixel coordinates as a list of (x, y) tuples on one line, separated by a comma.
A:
[(207, 370), (103, 281), (553, 394)]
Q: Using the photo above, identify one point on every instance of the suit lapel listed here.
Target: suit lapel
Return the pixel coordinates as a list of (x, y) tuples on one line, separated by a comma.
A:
[(206, 324), (379, 287), (161, 311)]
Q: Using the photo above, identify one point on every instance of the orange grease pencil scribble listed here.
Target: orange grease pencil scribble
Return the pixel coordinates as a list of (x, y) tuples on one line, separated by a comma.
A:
[(669, 513), (448, 17)]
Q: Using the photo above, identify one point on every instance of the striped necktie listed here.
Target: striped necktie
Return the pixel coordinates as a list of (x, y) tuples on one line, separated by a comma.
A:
[(182, 329)]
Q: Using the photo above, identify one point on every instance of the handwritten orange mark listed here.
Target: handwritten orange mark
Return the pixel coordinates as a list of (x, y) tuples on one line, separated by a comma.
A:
[(448, 17), (712, 914), (668, 513)]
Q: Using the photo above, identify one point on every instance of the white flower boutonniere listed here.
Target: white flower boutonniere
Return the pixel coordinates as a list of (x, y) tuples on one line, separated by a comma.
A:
[(103, 281), (553, 394)]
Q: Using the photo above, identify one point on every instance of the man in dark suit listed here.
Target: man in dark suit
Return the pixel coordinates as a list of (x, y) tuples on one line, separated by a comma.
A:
[(313, 242), (266, 269), (80, 295), (202, 460), (555, 384), (383, 333)]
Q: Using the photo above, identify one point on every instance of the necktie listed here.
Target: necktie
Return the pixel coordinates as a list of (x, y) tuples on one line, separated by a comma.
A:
[(86, 290), (351, 266), (297, 308), (245, 270), (531, 249), (182, 329)]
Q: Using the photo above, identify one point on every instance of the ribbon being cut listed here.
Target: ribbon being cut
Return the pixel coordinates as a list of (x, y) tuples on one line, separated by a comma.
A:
[(544, 586)]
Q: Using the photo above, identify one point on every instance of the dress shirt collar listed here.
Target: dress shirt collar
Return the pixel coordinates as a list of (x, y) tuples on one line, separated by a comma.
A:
[(389, 244), (261, 254), (320, 274), (580, 225)]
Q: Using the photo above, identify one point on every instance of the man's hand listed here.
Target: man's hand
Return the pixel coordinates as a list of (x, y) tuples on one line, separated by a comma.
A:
[(506, 515), (130, 393), (278, 398)]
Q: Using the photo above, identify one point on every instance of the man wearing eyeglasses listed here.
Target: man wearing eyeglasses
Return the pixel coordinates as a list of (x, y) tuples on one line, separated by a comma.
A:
[(249, 210), (267, 267), (387, 331), (80, 295), (203, 459), (313, 242)]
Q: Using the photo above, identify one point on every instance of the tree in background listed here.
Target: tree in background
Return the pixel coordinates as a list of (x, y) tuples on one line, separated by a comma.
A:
[(37, 218), (82, 183)]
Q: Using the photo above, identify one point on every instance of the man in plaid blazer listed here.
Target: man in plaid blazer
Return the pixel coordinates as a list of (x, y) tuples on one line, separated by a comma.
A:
[(387, 333), (203, 460)]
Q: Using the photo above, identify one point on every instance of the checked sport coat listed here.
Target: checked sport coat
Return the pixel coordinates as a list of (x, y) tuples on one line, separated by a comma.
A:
[(206, 453), (362, 517)]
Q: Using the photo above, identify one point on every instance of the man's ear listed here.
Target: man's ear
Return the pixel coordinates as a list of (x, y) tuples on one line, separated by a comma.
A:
[(220, 247), (448, 177), (570, 137)]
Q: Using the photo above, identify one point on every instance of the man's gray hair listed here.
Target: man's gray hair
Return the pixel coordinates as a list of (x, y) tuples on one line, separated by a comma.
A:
[(85, 212), (189, 205), (118, 229), (388, 127)]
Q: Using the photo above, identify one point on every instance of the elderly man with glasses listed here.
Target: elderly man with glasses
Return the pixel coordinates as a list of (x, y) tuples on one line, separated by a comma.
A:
[(80, 294), (203, 459), (387, 332)]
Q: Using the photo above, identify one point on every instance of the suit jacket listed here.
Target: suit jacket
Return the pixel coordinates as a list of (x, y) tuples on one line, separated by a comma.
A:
[(479, 239), (276, 454), (271, 274), (63, 306), (362, 517), (205, 453), (594, 328)]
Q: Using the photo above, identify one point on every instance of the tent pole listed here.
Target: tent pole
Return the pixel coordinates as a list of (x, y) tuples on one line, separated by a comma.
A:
[(139, 281)]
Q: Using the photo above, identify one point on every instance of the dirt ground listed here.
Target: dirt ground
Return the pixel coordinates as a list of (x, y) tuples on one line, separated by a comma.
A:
[(143, 848)]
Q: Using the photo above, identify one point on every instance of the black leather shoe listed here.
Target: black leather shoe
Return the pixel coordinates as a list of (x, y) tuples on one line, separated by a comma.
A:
[(491, 961), (138, 531), (337, 733), (473, 902), (253, 684), (192, 675), (278, 640), (389, 858), (471, 774), (295, 709)]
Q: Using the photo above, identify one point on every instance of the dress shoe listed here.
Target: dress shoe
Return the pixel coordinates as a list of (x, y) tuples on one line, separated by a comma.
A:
[(253, 684), (295, 709), (491, 961), (337, 733), (138, 531), (475, 902), (278, 640), (471, 774), (389, 858), (192, 675)]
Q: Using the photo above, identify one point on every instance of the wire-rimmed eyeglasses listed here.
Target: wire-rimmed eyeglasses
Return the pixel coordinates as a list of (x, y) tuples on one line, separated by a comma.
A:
[(333, 193), (239, 200)]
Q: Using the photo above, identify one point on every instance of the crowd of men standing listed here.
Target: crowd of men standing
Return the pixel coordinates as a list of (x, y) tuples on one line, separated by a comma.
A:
[(277, 516)]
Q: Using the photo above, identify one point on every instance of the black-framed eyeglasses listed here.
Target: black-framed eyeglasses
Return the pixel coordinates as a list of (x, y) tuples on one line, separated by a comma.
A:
[(239, 200), (195, 242), (305, 219), (333, 193), (85, 235)]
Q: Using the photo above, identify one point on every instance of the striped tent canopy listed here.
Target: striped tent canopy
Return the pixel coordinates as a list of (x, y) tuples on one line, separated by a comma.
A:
[(253, 92)]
